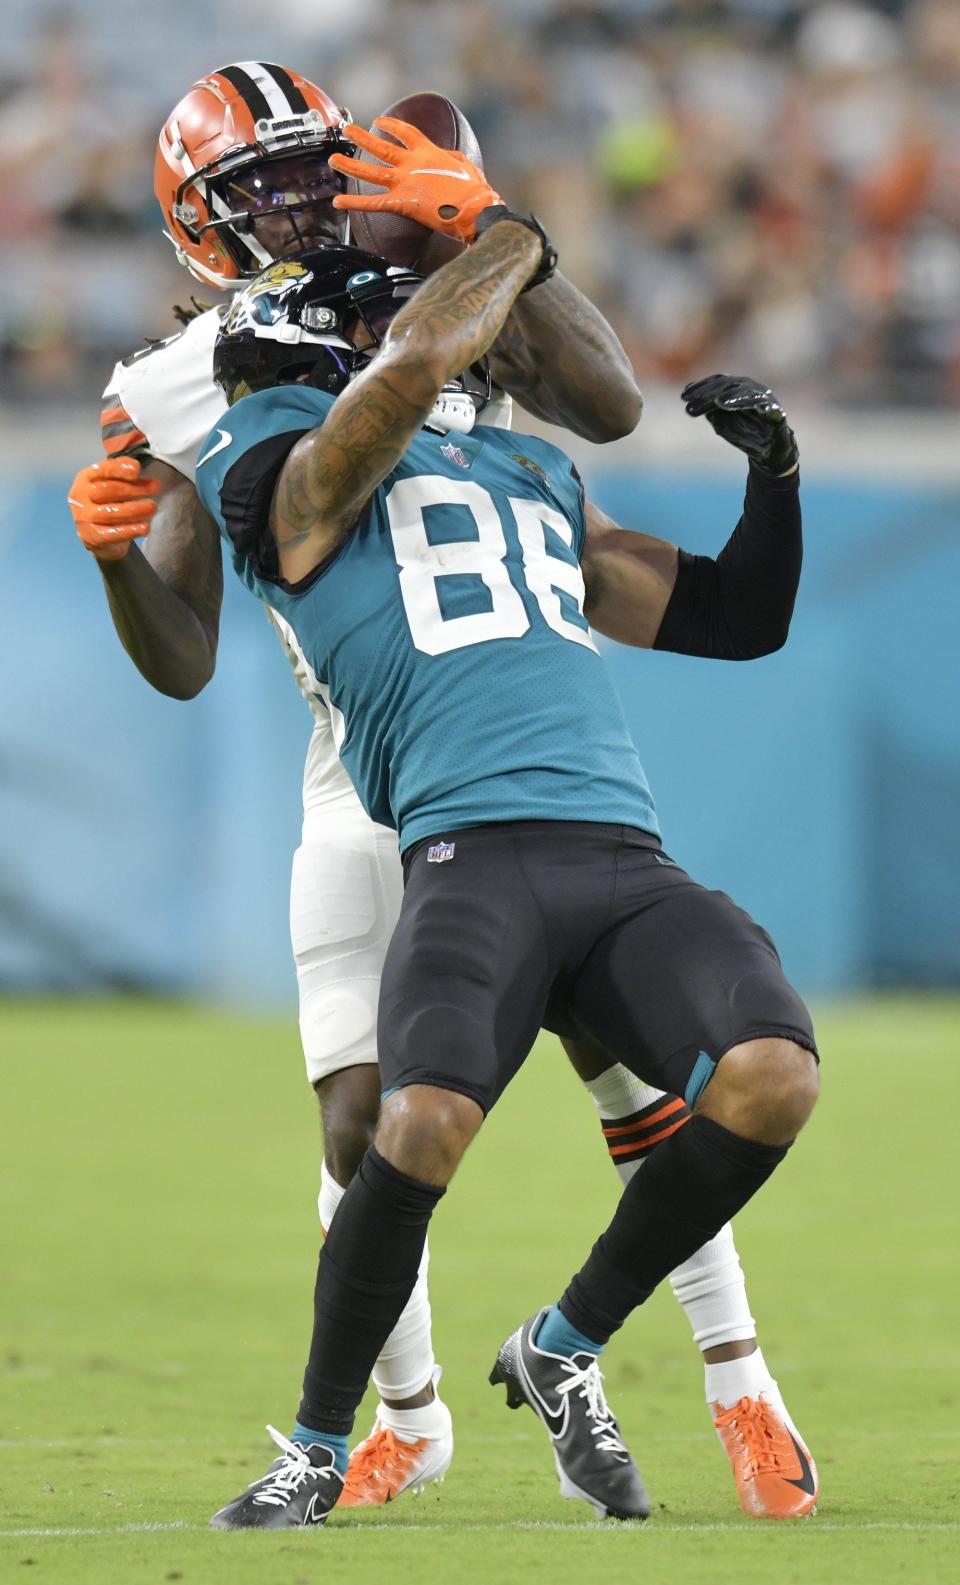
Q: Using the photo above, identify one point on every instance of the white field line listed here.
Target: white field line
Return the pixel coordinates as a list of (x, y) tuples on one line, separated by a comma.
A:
[(122, 1529), (947, 1434), (652, 1527)]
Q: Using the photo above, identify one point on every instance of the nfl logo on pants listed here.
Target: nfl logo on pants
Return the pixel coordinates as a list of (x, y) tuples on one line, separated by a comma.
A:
[(441, 852)]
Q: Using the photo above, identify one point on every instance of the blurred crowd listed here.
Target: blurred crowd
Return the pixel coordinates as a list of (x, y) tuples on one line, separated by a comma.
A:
[(760, 185)]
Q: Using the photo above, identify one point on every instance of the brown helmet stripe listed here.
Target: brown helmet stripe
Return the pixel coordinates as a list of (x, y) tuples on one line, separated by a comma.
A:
[(254, 99), (298, 104)]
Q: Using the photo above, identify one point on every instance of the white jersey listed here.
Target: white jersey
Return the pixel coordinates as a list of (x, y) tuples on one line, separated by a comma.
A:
[(164, 399), (166, 394)]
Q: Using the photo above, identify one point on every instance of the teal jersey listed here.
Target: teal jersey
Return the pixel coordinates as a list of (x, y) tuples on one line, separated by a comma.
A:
[(447, 635)]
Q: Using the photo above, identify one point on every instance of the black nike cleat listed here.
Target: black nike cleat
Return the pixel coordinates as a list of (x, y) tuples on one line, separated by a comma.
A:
[(300, 1488), (567, 1394)]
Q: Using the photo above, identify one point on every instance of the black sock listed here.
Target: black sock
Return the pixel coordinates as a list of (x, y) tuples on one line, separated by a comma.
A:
[(368, 1267), (690, 1186)]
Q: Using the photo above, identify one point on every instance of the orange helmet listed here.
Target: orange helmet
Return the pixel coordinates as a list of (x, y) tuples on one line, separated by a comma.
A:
[(228, 156)]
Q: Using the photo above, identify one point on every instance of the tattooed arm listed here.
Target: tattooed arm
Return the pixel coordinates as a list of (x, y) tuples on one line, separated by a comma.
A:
[(451, 321), (561, 360), (165, 600)]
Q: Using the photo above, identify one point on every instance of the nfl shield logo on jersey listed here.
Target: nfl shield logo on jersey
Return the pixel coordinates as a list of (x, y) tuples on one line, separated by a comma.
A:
[(454, 454), (441, 852)]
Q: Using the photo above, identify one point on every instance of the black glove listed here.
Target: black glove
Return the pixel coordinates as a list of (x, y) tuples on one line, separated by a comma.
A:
[(748, 416)]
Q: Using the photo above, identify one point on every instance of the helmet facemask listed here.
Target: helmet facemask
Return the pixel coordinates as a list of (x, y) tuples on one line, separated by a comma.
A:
[(264, 206)]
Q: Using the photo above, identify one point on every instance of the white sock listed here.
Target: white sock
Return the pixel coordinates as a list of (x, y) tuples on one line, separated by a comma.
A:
[(711, 1288), (329, 1198), (749, 1377), (710, 1285), (430, 1420), (617, 1092), (406, 1363)]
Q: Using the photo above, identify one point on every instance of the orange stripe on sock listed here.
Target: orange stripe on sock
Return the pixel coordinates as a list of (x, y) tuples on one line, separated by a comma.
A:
[(647, 1122), (128, 441), (646, 1143)]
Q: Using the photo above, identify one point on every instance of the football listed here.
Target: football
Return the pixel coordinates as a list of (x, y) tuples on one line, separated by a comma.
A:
[(402, 241)]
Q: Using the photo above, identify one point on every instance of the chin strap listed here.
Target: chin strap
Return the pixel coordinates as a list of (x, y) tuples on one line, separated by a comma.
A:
[(454, 412)]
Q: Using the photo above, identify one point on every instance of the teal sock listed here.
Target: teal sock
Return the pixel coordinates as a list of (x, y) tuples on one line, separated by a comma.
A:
[(302, 1436), (556, 1336)]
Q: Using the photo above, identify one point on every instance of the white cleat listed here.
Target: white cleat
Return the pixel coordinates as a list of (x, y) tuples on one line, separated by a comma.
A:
[(384, 1465)]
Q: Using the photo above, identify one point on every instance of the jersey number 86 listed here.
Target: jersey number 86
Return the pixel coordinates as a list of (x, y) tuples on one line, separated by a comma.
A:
[(423, 563)]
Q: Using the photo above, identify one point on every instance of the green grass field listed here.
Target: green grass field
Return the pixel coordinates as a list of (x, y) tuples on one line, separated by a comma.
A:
[(157, 1250)]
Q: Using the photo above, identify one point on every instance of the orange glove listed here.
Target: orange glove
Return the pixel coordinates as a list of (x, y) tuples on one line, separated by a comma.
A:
[(110, 506), (440, 188)]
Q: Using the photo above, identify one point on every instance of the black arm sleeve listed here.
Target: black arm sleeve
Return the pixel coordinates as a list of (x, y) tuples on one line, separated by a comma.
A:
[(245, 497), (739, 606)]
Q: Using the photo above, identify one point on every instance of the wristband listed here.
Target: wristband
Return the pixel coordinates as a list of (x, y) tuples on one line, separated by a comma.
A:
[(548, 259)]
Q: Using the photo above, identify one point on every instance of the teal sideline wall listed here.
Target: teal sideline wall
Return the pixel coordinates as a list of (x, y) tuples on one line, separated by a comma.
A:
[(145, 844)]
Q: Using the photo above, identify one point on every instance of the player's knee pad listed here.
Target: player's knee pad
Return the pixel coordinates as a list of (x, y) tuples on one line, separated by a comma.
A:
[(342, 912), (338, 1026)]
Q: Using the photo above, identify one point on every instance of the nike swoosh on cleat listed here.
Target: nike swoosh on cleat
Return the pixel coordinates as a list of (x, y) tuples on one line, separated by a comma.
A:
[(310, 1514), (806, 1482), (556, 1423)]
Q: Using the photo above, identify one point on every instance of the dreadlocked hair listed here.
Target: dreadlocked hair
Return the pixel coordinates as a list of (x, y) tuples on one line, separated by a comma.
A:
[(183, 316)]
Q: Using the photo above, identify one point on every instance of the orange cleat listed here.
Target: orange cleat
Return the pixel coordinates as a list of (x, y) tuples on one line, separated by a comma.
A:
[(383, 1466), (775, 1475)]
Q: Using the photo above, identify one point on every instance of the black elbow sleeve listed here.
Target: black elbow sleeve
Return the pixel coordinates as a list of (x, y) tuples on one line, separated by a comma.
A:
[(688, 621), (739, 606)]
